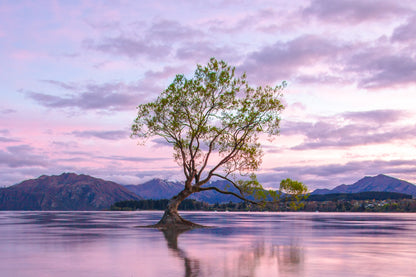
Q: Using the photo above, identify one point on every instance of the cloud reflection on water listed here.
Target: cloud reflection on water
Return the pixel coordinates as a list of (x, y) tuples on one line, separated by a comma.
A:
[(238, 244)]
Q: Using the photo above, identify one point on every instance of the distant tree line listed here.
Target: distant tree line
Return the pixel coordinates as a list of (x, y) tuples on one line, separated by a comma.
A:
[(340, 202), (161, 204), (402, 205), (367, 195), (186, 205)]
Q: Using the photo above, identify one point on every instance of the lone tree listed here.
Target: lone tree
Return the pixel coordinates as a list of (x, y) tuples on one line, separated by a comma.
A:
[(213, 121)]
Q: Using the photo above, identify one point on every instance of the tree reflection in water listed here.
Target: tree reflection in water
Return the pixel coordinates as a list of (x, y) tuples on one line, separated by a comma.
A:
[(260, 259), (192, 268)]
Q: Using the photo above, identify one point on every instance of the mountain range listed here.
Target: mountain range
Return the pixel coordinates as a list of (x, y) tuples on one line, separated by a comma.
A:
[(163, 189), (377, 183), (70, 191)]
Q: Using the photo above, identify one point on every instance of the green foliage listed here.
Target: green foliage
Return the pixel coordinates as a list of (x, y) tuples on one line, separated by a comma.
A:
[(295, 192), (252, 187)]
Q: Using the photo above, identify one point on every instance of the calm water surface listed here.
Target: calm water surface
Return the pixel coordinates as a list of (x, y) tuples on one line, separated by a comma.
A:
[(238, 244)]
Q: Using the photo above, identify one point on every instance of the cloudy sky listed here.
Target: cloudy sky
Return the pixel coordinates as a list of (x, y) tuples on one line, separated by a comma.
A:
[(73, 72)]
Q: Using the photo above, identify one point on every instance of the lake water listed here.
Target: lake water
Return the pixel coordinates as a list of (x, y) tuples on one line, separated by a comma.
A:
[(238, 244)]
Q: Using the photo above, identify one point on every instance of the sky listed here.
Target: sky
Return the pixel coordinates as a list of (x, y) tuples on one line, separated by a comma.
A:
[(73, 72)]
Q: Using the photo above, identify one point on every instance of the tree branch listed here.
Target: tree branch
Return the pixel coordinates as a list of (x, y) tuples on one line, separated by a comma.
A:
[(185, 167), (229, 180), (231, 193), (233, 152), (211, 143)]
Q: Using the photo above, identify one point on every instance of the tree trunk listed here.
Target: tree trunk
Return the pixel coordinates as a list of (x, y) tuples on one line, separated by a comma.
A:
[(171, 218)]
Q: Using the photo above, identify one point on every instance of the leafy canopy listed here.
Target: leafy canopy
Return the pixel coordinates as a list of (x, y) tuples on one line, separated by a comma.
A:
[(213, 121)]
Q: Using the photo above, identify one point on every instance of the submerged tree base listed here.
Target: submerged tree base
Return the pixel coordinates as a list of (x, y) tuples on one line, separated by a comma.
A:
[(173, 221)]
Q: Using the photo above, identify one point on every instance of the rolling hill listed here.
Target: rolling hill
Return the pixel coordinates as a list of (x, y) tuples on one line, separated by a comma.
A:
[(67, 191)]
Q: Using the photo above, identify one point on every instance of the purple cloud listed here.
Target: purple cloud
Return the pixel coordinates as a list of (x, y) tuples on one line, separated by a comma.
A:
[(65, 145), (405, 32), (107, 96), (72, 160), (106, 135), (363, 128), (4, 132), (6, 136), (325, 78), (130, 47), (21, 156), (168, 72), (161, 142), (377, 68), (60, 84), (155, 42), (132, 159), (369, 64), (283, 59), (165, 173), (351, 136), (20, 149), (163, 39), (376, 116), (77, 153), (331, 175), (263, 20), (102, 25), (354, 11), (169, 30), (86, 101), (3, 139), (202, 51), (7, 111)]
